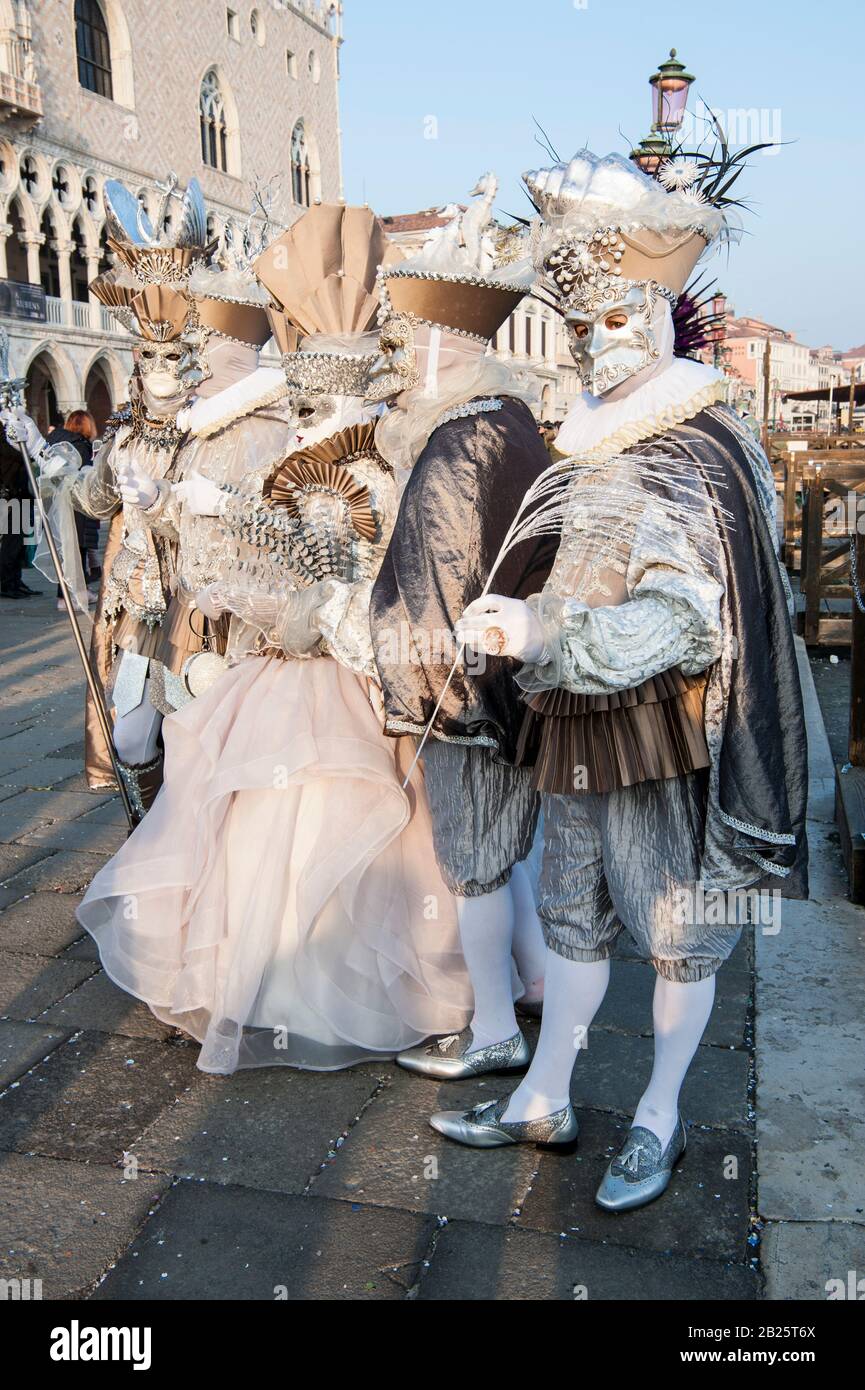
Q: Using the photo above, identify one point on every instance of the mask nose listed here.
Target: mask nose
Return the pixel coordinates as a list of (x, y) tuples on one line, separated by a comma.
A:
[(597, 340)]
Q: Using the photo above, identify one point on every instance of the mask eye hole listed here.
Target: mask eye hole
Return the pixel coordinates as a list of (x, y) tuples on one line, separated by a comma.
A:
[(581, 330), (617, 320)]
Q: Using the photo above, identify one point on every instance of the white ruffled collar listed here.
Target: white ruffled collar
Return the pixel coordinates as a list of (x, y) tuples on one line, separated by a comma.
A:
[(677, 393), (208, 414)]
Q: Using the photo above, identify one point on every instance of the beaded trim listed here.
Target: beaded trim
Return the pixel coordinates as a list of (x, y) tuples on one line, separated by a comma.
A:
[(766, 865), (773, 837), (461, 412), (404, 726), (341, 374), (386, 273)]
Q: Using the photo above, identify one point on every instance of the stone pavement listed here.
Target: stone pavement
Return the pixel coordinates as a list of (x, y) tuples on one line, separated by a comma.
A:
[(125, 1173), (810, 984)]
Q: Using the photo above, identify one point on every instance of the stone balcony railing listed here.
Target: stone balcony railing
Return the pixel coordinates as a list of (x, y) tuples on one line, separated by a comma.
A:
[(72, 313), (19, 98)]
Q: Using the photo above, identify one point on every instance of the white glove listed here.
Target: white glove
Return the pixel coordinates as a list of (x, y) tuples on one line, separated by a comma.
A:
[(135, 487), (211, 601), (200, 496), (21, 429), (502, 627)]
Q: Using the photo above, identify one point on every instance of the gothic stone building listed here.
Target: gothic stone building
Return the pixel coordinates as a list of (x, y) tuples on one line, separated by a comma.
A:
[(131, 89)]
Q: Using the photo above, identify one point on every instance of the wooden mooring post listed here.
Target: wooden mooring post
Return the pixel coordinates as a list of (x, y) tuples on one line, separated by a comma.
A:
[(850, 777)]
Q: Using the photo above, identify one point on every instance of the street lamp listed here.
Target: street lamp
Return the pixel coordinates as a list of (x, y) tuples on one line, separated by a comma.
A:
[(670, 86)]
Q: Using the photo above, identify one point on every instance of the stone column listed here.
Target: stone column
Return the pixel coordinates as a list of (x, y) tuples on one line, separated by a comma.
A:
[(32, 244), (64, 251), (6, 230), (93, 258)]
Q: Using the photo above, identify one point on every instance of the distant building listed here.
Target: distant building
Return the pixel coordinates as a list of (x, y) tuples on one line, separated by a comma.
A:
[(533, 337), (792, 367), (130, 90)]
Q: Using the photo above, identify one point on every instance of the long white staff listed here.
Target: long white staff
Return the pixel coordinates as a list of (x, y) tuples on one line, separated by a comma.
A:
[(11, 396)]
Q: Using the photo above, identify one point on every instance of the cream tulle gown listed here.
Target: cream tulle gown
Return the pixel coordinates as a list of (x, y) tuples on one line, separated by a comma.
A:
[(281, 902)]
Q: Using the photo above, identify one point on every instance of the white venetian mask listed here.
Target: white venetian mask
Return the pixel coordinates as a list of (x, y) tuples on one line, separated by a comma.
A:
[(615, 341)]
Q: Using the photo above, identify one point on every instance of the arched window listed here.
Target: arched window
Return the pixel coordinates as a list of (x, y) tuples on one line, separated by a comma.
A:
[(94, 50), (299, 166), (214, 129)]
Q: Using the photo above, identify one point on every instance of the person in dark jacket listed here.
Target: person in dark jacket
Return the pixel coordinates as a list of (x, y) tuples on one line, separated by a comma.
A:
[(15, 522)]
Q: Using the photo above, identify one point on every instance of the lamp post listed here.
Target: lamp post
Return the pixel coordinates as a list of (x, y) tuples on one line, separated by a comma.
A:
[(719, 314), (670, 85)]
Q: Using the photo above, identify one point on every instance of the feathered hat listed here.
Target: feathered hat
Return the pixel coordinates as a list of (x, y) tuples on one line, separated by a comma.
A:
[(459, 281), (149, 259), (604, 225)]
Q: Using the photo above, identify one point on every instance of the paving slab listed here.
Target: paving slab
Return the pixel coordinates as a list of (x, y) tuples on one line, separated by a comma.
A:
[(84, 948), (94, 1096), (212, 1242), (31, 810), (14, 859), (65, 1223), (810, 1036), (22, 1045), (31, 984), (88, 834), (627, 1006), (54, 871), (40, 925), (40, 774), (271, 1128), (474, 1261), (101, 1006), (613, 1072), (814, 1260), (393, 1158), (704, 1212)]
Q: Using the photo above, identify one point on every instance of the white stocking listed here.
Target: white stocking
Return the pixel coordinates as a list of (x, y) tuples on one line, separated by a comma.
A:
[(529, 950), (136, 734), (573, 993), (486, 933), (680, 1012)]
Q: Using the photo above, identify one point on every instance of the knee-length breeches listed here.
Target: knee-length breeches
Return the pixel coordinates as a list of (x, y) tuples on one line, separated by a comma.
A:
[(630, 858), (484, 815)]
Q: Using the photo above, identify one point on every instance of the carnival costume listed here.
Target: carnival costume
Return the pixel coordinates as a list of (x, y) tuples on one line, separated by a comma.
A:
[(665, 716), (288, 906), (462, 427), (146, 291)]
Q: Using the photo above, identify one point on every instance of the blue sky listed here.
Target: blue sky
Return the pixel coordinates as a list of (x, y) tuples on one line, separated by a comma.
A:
[(483, 69)]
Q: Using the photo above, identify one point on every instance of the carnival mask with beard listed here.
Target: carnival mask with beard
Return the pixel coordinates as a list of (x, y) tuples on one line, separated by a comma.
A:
[(395, 369), (614, 343)]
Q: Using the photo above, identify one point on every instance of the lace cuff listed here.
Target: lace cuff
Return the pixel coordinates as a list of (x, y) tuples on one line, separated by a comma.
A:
[(344, 623)]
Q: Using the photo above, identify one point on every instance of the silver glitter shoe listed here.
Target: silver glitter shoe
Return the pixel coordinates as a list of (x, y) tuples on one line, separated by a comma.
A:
[(641, 1171), (453, 1058), (484, 1128)]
